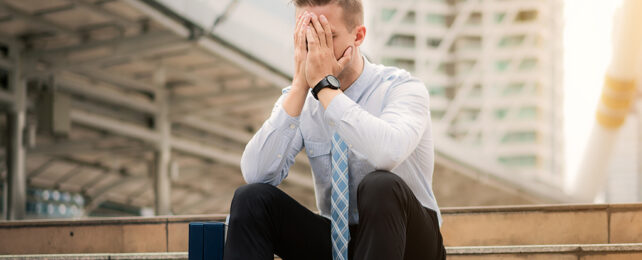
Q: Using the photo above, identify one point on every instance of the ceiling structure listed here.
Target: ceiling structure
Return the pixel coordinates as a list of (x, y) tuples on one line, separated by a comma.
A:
[(135, 78), (125, 99)]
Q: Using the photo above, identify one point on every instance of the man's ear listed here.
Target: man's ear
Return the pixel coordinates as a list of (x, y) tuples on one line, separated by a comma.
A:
[(360, 35)]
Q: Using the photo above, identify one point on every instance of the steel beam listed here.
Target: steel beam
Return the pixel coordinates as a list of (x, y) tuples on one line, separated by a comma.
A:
[(114, 126), (240, 59), (101, 195), (121, 44), (35, 19), (17, 182), (43, 167), (6, 64), (122, 20), (216, 129), (162, 155), (6, 98), (112, 80), (80, 88)]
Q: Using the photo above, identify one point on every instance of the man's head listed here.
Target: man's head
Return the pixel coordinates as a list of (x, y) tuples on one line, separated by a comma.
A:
[(345, 18)]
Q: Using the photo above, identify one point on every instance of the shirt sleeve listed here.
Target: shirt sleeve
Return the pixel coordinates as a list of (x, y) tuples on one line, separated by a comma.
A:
[(388, 139), (270, 153)]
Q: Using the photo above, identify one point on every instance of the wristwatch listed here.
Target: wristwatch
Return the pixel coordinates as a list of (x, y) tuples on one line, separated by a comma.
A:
[(327, 82)]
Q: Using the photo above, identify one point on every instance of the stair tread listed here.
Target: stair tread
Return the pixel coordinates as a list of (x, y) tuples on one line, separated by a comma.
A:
[(100, 256), (563, 248), (457, 250)]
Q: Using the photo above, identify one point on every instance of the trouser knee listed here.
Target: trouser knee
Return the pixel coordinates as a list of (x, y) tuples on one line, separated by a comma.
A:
[(253, 199), (379, 190)]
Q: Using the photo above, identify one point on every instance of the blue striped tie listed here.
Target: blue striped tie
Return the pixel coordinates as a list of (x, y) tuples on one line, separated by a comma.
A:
[(339, 211)]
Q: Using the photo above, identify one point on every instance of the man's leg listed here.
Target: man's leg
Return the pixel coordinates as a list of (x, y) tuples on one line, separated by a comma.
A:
[(265, 221), (392, 222)]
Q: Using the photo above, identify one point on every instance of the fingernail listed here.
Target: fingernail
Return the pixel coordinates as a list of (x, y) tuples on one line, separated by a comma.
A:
[(323, 18)]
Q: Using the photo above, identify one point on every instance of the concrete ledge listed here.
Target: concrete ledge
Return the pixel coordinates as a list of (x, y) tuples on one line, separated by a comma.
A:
[(101, 235), (141, 256), (479, 226), (531, 249), (570, 252), (543, 224), (605, 251)]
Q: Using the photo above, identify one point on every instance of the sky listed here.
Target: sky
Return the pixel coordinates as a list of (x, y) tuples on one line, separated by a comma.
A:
[(587, 53)]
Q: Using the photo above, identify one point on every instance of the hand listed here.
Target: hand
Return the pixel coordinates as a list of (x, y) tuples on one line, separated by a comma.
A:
[(300, 52), (320, 60)]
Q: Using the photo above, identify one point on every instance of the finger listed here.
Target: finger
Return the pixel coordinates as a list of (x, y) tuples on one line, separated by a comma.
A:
[(297, 28), (319, 30), (328, 31), (304, 26), (347, 56), (311, 36), (301, 44)]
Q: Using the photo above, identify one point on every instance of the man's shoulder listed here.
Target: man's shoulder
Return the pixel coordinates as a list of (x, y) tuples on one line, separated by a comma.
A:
[(397, 78)]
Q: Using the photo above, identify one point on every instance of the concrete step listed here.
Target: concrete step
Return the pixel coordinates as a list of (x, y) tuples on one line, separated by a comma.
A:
[(480, 226), (543, 225), (536, 252), (530, 252), (107, 256)]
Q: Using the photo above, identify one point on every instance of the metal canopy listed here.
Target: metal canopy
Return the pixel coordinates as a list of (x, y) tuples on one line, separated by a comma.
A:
[(106, 57)]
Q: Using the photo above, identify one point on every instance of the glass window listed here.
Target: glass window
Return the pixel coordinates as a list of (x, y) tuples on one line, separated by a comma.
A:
[(502, 65), (436, 19), (407, 41), (526, 16), (387, 14), (528, 64), (511, 41), (518, 161)]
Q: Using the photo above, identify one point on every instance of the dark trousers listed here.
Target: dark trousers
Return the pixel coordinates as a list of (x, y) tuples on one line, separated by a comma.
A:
[(392, 225)]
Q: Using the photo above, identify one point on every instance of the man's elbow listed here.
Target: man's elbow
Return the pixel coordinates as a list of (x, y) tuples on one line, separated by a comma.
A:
[(386, 160), (249, 170)]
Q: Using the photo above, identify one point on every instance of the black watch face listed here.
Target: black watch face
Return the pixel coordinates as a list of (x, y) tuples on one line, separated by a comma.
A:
[(333, 81)]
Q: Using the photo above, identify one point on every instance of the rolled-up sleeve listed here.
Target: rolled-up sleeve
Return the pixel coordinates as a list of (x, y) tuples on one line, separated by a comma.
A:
[(270, 153), (388, 139)]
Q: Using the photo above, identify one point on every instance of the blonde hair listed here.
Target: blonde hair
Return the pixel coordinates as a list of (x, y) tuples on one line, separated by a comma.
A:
[(352, 9)]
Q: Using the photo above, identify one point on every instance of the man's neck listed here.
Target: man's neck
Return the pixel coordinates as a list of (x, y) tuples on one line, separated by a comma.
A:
[(352, 72)]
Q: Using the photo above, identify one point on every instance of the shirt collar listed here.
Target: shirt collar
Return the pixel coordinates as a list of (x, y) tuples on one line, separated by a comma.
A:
[(359, 86)]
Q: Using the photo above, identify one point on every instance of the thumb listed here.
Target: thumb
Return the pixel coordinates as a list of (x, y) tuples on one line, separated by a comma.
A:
[(347, 56)]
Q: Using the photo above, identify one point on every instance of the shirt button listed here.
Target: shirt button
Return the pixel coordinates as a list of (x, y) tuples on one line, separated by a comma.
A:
[(350, 145), (331, 123), (279, 156), (292, 126), (311, 151)]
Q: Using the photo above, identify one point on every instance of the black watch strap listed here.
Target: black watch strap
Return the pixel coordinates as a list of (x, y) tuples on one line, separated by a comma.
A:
[(325, 83)]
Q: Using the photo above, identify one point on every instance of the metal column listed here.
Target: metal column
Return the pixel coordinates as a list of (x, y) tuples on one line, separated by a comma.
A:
[(162, 185), (17, 185), (638, 111)]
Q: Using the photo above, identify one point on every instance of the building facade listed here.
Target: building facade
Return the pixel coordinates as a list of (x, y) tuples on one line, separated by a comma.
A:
[(493, 69)]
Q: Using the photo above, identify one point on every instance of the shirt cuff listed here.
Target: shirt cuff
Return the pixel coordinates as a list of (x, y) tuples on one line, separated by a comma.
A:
[(281, 120), (337, 108)]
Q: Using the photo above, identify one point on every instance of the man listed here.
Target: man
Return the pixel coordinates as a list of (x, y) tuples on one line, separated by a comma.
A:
[(368, 137)]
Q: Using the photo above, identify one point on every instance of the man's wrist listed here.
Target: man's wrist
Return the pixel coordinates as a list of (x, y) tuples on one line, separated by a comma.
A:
[(316, 79), (326, 95)]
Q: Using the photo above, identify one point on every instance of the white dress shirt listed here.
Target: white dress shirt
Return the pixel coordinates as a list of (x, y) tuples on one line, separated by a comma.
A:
[(383, 117)]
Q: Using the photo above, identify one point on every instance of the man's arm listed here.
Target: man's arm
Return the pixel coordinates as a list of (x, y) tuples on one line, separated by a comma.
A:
[(270, 153), (386, 140), (293, 103)]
